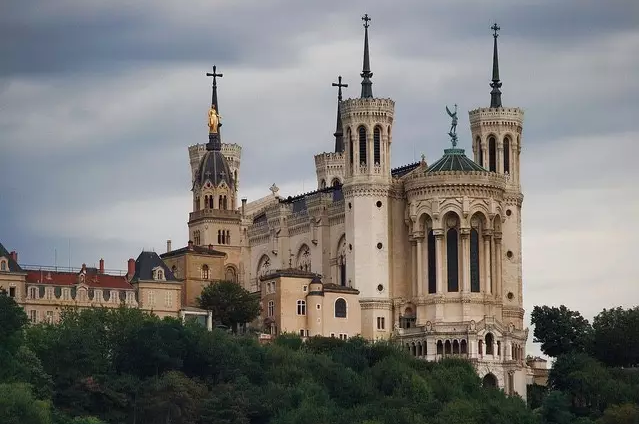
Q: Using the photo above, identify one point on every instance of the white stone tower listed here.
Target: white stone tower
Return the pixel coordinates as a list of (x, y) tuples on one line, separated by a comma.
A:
[(496, 133), (367, 123)]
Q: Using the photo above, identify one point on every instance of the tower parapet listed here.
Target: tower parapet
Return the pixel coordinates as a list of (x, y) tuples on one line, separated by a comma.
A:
[(329, 168)]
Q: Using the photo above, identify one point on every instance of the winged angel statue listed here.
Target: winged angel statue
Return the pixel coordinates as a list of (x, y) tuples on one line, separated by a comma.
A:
[(453, 125)]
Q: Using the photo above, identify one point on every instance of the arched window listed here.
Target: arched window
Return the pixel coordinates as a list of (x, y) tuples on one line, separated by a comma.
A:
[(304, 258), (323, 183), (230, 274), (432, 266), (341, 261), (196, 237), (480, 347), (3, 265), (174, 270), (221, 202), (463, 346), (447, 348), (205, 272), (335, 182), (490, 340), (340, 308), (440, 347), (301, 307), (219, 237), (206, 202), (362, 145), (210, 202), (264, 266), (474, 260), (455, 347), (197, 203), (452, 253), (507, 155), (376, 146), (480, 152), (350, 149), (271, 308), (228, 237), (492, 154)]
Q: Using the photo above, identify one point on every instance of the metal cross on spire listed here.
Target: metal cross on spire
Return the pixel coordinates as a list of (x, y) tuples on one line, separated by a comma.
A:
[(366, 19), (495, 29), (214, 74), (339, 86)]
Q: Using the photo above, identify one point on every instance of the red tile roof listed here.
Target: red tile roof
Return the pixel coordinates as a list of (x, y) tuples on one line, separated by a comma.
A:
[(95, 280)]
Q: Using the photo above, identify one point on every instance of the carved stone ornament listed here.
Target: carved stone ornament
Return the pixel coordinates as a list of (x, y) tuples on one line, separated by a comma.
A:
[(451, 222), (511, 327), (473, 325), (429, 326)]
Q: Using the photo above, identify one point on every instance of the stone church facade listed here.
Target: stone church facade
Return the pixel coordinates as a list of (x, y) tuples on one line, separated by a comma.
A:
[(432, 252)]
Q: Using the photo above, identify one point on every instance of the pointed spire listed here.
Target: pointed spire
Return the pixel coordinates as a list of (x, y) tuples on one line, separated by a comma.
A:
[(367, 85), (214, 134), (339, 130), (495, 94)]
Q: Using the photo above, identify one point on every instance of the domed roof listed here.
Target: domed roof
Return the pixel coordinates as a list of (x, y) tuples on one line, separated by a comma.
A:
[(214, 168), (454, 160)]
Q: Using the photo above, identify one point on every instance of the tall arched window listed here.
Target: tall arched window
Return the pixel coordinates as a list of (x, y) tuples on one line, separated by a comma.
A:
[(350, 148), (340, 308), (323, 183), (480, 152), (490, 340), (205, 272), (206, 202), (507, 155), (376, 146), (225, 203), (210, 202), (452, 253), (432, 266), (228, 237), (362, 145), (492, 154), (474, 260), (230, 274), (341, 261), (221, 202), (219, 237), (335, 182)]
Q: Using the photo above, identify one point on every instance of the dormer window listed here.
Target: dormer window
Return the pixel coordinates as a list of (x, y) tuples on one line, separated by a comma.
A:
[(158, 274), (3, 265)]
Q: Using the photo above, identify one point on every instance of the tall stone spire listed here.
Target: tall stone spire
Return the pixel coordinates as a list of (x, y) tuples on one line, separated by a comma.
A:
[(215, 142), (367, 85), (495, 94), (339, 130)]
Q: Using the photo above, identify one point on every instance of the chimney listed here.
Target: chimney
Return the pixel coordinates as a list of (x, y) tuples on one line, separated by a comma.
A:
[(131, 268), (168, 246), (101, 266), (210, 247), (14, 255), (190, 244), (243, 205), (84, 268)]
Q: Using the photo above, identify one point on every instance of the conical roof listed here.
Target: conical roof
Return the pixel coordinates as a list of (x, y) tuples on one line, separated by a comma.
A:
[(454, 160)]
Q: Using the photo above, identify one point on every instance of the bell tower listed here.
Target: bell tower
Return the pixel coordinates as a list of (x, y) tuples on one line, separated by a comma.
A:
[(496, 132), (367, 122)]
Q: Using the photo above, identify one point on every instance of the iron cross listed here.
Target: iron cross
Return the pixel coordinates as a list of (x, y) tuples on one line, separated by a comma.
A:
[(496, 29), (339, 86), (214, 75), (366, 19)]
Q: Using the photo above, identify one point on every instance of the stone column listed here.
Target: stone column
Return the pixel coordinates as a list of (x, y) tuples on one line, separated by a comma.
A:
[(413, 266), (500, 156), (484, 149), (439, 262), (487, 263), (465, 259), (420, 266), (498, 280)]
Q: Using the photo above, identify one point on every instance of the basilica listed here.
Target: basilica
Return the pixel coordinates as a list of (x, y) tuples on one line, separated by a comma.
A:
[(426, 254)]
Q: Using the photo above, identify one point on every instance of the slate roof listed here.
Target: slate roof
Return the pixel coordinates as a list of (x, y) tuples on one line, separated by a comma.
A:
[(202, 250), (91, 279), (454, 160), (404, 169), (214, 168), (299, 201), (144, 265), (13, 265), (290, 272)]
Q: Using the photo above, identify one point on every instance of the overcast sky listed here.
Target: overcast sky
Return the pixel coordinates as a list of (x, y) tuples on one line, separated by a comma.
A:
[(99, 101)]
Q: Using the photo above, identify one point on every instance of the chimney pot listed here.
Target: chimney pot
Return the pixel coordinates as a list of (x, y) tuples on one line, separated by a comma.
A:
[(190, 245), (168, 245), (131, 268), (101, 266), (84, 266), (14, 255), (243, 205)]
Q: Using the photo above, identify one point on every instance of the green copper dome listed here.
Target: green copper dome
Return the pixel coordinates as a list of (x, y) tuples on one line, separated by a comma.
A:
[(454, 160)]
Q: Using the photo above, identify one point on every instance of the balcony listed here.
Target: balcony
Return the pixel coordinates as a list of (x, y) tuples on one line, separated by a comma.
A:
[(214, 213)]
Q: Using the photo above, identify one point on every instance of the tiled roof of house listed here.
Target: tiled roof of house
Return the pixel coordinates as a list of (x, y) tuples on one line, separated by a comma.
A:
[(13, 265), (91, 279)]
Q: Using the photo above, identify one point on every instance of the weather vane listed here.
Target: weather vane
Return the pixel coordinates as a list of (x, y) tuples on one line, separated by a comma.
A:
[(453, 125)]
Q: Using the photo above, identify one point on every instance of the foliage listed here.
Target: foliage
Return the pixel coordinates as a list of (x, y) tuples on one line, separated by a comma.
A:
[(616, 337), (560, 330), (230, 303), (18, 406)]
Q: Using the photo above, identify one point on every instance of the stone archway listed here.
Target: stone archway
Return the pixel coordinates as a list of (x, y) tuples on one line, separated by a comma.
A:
[(489, 381)]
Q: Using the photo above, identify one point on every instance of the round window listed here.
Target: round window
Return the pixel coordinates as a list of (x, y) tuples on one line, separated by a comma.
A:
[(510, 295), (509, 254), (379, 204), (380, 288), (349, 205), (508, 212), (379, 245)]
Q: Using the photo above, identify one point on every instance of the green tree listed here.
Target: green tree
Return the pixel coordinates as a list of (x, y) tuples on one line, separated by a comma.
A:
[(560, 330), (616, 337), (627, 413), (229, 303), (13, 319), (172, 398), (556, 409), (17, 406)]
